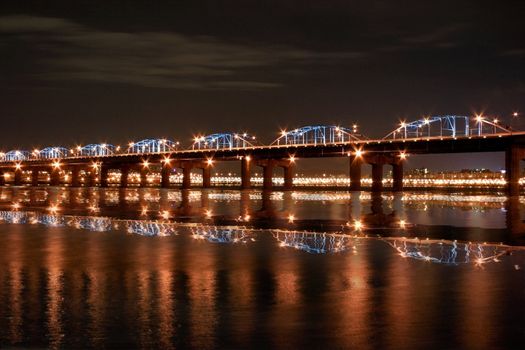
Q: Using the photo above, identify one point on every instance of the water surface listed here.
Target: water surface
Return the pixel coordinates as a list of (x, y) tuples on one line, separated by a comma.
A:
[(153, 268)]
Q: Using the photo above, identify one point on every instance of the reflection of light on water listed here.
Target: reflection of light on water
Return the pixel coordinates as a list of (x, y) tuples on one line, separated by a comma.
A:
[(447, 252), (216, 234), (312, 242), (149, 228), (436, 251), (97, 224)]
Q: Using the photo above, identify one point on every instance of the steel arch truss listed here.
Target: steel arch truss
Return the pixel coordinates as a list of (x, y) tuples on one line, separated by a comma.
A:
[(17, 155), (51, 153), (96, 150), (446, 126), (318, 134), (152, 146), (224, 141)]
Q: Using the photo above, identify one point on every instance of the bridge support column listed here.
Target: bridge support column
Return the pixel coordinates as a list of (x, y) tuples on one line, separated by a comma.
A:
[(246, 173), (92, 177), (513, 156), (18, 177), (377, 177), (268, 176), (2, 178), (355, 173), (206, 176), (288, 177), (165, 173), (54, 176), (34, 177), (144, 177), (186, 176), (397, 176), (104, 170), (75, 176), (124, 176)]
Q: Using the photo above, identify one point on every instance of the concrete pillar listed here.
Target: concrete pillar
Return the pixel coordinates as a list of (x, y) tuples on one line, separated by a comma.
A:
[(144, 177), (186, 176), (75, 176), (268, 176), (355, 173), (165, 173), (34, 177), (397, 176), (54, 176), (245, 173), (377, 177), (206, 176), (2, 178), (124, 175), (91, 177), (104, 176), (18, 177), (288, 177), (512, 170)]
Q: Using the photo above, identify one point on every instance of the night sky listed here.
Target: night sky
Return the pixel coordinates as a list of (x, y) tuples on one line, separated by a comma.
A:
[(115, 71)]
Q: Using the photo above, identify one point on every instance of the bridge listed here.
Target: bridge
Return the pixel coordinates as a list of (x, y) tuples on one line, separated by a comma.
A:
[(91, 164)]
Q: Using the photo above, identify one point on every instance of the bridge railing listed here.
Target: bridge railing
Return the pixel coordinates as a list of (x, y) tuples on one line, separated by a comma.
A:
[(318, 135), (228, 140), (152, 146), (452, 126)]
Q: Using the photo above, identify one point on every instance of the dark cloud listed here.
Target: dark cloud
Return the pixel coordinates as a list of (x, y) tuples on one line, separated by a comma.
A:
[(154, 59)]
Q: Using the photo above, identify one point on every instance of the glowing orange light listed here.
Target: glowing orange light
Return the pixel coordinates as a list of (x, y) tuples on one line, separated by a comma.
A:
[(291, 218), (56, 164), (359, 153), (53, 208), (209, 161)]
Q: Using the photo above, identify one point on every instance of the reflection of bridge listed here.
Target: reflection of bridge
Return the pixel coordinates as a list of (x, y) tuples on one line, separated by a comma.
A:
[(436, 251), (90, 165)]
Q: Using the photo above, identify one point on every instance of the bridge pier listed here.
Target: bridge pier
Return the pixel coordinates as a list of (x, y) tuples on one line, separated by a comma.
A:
[(165, 173), (355, 173), (91, 178), (143, 177), (513, 155), (54, 176), (377, 177), (2, 178), (34, 177), (206, 176), (75, 176), (268, 176), (288, 176), (104, 175), (397, 176), (124, 176), (186, 175), (17, 177), (246, 173)]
